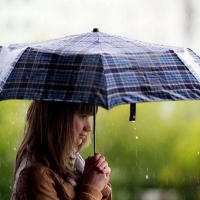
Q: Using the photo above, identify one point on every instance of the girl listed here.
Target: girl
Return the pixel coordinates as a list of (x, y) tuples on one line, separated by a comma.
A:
[(48, 163)]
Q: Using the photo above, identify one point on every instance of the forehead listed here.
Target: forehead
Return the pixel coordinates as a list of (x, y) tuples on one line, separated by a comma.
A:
[(85, 109)]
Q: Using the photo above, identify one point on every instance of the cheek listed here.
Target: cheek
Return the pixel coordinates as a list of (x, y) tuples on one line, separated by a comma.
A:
[(78, 125)]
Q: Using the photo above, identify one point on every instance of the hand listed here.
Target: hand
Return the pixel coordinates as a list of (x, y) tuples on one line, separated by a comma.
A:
[(96, 172), (101, 164)]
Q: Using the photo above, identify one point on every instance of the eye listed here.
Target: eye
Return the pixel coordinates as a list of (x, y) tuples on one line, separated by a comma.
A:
[(82, 116)]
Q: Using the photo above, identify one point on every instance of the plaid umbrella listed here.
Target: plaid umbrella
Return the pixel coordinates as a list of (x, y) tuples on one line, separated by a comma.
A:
[(100, 69)]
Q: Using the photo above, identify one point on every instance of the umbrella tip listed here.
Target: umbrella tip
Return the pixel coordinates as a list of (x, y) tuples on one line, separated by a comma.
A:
[(95, 30)]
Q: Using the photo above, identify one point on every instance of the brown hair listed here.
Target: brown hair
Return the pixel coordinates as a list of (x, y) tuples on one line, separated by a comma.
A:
[(49, 134)]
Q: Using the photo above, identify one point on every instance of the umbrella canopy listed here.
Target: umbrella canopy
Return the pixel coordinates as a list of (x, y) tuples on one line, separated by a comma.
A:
[(98, 68)]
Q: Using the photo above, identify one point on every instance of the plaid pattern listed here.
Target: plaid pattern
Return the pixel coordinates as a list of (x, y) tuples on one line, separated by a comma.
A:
[(100, 69)]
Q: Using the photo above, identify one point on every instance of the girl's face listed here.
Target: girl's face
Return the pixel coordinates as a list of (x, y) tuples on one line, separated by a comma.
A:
[(82, 126)]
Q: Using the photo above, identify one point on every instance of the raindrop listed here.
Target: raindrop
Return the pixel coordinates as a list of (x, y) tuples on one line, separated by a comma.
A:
[(198, 152), (147, 177), (136, 137), (14, 148)]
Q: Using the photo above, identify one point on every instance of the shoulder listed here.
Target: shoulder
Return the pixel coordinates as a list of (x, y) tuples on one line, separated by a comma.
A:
[(35, 178), (34, 174)]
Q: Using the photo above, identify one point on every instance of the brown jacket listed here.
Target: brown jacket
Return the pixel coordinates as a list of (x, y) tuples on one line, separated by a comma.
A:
[(34, 181)]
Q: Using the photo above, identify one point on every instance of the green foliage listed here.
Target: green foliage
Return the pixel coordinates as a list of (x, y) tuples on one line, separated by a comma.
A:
[(12, 117), (160, 150)]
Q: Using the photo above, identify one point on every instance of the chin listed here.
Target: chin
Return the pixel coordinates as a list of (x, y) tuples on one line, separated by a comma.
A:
[(79, 142)]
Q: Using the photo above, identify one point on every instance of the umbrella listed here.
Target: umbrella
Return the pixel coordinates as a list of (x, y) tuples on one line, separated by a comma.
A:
[(100, 69)]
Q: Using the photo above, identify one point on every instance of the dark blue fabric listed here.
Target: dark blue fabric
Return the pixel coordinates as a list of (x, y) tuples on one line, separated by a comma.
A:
[(100, 69)]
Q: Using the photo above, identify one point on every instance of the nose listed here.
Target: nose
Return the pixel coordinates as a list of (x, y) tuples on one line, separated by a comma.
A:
[(87, 127)]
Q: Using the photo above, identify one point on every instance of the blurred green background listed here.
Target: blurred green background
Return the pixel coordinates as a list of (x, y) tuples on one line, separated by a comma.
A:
[(158, 153), (158, 156)]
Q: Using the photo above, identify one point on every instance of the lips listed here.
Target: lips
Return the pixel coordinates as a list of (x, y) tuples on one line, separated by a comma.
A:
[(82, 136)]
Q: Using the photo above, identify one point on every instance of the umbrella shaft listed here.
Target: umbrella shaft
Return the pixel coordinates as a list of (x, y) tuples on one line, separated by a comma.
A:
[(94, 129)]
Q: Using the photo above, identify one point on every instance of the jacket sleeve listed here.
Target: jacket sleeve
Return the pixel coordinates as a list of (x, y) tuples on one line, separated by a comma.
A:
[(107, 192), (88, 192)]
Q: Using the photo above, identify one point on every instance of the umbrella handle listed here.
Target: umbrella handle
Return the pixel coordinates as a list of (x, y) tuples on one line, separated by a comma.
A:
[(132, 117), (94, 129)]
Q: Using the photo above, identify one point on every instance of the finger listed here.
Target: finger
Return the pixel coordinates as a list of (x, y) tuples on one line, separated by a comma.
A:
[(102, 165), (107, 177), (107, 170), (96, 157), (100, 161), (89, 166), (89, 161)]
